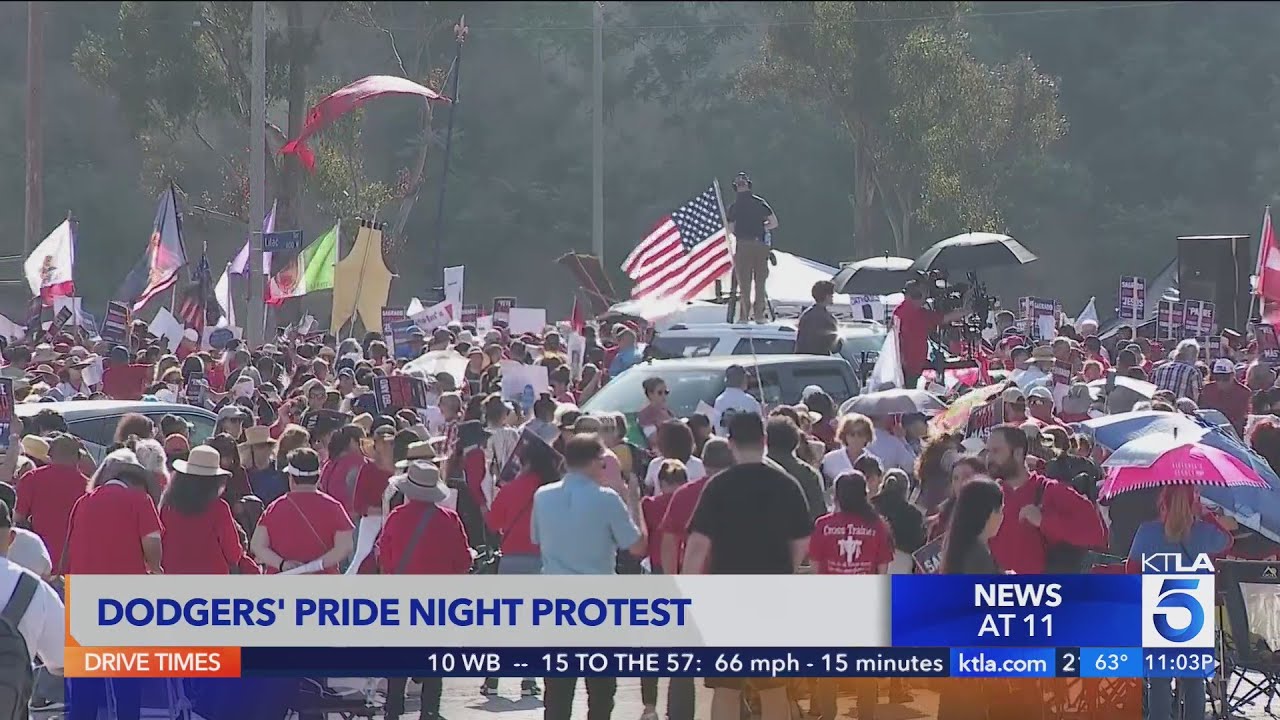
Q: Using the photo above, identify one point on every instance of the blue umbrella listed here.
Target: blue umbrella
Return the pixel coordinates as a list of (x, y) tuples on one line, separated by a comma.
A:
[(1255, 508)]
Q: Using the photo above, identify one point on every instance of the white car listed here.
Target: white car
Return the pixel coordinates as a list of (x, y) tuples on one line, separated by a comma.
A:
[(859, 342)]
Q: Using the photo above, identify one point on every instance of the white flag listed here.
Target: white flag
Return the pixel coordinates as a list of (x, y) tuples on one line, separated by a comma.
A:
[(222, 292), (888, 370), (1088, 314), (48, 268)]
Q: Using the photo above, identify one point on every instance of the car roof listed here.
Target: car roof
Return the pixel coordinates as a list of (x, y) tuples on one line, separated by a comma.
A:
[(720, 362), (723, 327), (80, 409)]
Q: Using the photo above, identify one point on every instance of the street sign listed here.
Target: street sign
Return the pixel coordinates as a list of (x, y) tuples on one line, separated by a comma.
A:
[(286, 241)]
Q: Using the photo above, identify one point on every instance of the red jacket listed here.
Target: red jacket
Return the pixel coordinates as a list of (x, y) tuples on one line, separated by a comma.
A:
[(1066, 517)]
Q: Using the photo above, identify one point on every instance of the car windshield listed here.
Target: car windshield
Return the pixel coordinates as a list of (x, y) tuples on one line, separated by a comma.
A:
[(688, 387), (667, 346)]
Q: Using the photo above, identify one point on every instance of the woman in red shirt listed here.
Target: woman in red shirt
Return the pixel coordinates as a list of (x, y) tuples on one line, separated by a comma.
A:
[(304, 525), (200, 537), (340, 473), (671, 477), (853, 540), (115, 529)]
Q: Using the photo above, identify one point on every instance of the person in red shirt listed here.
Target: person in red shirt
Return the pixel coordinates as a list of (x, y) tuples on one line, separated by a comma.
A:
[(304, 525), (421, 538), (1226, 394), (122, 380), (915, 321), (671, 477), (199, 535), (716, 457), (115, 529), (1039, 512), (341, 472), (853, 540), (46, 495)]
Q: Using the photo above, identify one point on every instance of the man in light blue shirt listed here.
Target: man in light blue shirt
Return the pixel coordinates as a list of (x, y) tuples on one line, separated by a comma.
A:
[(628, 353), (579, 525)]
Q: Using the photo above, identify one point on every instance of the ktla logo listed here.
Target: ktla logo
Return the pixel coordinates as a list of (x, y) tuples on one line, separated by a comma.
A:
[(1177, 609)]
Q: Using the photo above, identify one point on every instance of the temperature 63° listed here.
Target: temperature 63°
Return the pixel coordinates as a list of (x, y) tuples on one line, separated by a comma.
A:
[(1003, 625)]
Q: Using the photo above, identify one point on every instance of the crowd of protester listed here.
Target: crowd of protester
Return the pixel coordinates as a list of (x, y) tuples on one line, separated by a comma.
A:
[(301, 456)]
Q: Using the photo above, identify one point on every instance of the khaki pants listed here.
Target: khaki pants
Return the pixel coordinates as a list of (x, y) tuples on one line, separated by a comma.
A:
[(751, 267)]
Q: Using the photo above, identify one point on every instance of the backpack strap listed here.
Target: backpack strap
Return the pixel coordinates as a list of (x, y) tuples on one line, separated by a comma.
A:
[(418, 531), (20, 600)]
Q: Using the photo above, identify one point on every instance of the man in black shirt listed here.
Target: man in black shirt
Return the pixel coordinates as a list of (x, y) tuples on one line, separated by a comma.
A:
[(817, 329), (752, 519), (750, 220)]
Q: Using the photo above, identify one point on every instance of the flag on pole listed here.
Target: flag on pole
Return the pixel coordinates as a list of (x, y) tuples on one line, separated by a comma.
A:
[(240, 265), (687, 251), (222, 292), (1268, 262), (160, 265), (49, 267), (311, 271), (197, 306)]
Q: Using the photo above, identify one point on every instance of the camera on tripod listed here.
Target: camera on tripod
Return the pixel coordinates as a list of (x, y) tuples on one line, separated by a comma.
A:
[(941, 295)]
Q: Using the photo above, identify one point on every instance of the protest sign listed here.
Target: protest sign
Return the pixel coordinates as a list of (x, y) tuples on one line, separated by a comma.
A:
[(501, 312), (1133, 298), (527, 320), (74, 304), (929, 558), (1198, 319), (1215, 347), (317, 422), (511, 468), (985, 417), (216, 338), (1264, 335), (168, 328), (577, 346), (6, 412), (469, 314), (436, 316), (453, 285), (517, 376), (1032, 310), (398, 392), (61, 319), (391, 315), (1169, 320), (400, 333), (115, 324), (196, 391)]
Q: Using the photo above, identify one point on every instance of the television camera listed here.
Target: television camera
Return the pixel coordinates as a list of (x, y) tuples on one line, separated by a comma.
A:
[(946, 297)]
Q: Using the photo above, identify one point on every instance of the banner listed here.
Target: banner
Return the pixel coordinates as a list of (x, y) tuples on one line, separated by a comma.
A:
[(453, 285), (115, 324), (1169, 320), (502, 309), (1133, 298)]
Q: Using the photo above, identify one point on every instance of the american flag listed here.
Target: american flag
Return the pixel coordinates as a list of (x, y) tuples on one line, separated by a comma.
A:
[(194, 308), (686, 252)]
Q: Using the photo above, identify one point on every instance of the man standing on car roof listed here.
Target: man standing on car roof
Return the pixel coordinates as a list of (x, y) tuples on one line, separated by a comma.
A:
[(751, 221)]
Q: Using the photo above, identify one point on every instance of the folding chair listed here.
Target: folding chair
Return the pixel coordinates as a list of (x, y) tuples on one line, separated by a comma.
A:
[(1251, 666)]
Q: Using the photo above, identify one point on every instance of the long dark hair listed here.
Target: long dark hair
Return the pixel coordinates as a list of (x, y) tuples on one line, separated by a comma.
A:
[(851, 495), (343, 439), (975, 503), (540, 460), (948, 505), (134, 425), (192, 494)]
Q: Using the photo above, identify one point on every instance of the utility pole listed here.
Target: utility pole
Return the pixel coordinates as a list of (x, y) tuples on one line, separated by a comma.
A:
[(35, 125), (460, 31), (257, 174), (597, 133)]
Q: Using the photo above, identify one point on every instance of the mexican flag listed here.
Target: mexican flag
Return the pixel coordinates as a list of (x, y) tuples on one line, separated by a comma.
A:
[(310, 271)]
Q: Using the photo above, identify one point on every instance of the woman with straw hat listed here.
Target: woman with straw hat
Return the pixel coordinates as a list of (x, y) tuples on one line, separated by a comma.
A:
[(304, 526), (258, 451), (421, 538), (200, 536)]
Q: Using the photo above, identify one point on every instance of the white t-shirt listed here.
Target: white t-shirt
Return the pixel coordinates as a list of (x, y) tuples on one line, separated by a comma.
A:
[(893, 452), (433, 419), (835, 464), (730, 401), (692, 467), (42, 625), (28, 550)]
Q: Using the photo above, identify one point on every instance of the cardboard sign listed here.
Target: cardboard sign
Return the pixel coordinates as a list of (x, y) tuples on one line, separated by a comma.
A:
[(1169, 320), (502, 309), (436, 316), (389, 316), (399, 332), (398, 392), (1268, 346), (115, 324), (469, 314), (929, 558), (527, 320), (35, 319), (1133, 298)]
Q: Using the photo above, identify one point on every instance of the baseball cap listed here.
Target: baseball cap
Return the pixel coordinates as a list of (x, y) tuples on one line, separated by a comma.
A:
[(1222, 366), (1013, 395), (1040, 393)]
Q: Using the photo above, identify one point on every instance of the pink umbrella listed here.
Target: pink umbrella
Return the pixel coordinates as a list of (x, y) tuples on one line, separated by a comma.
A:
[(1158, 460)]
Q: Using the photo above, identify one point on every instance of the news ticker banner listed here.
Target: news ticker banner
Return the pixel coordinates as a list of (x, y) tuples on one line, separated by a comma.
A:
[(802, 626)]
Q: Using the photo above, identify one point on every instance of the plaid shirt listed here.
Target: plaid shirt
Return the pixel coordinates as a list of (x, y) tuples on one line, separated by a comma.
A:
[(1179, 378)]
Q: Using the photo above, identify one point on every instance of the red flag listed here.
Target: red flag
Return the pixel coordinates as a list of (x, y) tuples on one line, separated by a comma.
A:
[(1268, 262), (576, 323), (345, 100)]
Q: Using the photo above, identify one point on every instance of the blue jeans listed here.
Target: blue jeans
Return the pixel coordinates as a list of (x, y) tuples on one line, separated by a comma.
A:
[(1160, 698)]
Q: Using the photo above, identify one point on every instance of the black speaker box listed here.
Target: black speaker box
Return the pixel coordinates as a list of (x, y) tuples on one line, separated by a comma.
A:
[(1216, 268)]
